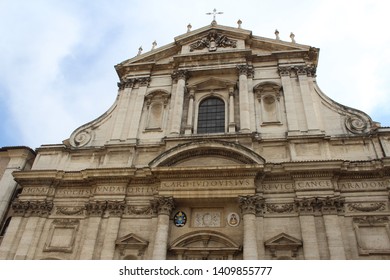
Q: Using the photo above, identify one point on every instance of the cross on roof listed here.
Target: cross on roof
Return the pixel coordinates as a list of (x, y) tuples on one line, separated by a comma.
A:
[(214, 13)]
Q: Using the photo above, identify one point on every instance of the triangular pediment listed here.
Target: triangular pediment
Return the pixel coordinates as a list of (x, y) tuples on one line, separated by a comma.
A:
[(131, 240), (209, 39), (212, 83), (283, 240)]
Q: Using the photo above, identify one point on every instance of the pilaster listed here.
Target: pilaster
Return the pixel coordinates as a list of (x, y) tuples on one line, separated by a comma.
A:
[(177, 113), (243, 71)]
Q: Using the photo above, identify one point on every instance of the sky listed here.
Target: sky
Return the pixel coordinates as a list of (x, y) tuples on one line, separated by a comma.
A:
[(57, 57)]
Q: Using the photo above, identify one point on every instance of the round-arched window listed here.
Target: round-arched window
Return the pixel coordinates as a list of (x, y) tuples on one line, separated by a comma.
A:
[(211, 116)]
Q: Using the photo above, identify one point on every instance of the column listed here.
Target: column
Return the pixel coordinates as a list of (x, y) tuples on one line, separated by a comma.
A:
[(95, 211), (34, 211), (163, 206), (177, 113), (250, 205), (122, 110), (232, 124), (331, 207), (308, 105), (115, 210), (190, 115), (138, 107), (306, 208), (292, 120), (244, 99)]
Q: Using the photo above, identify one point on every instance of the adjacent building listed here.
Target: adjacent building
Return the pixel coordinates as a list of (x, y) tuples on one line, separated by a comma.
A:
[(220, 145)]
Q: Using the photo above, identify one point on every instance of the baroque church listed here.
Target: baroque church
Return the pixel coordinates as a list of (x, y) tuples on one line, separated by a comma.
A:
[(219, 145)]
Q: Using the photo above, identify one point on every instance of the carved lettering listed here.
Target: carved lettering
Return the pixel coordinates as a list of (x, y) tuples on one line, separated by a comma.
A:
[(141, 190), (362, 185), (277, 187), (110, 189), (35, 191), (319, 184), (207, 183), (73, 192)]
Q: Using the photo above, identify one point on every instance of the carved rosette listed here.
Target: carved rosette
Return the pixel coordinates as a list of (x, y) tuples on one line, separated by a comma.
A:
[(32, 208), (251, 204), (163, 205), (356, 124), (367, 207)]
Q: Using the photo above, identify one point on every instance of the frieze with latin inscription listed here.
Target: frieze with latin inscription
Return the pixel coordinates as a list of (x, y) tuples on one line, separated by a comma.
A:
[(363, 185), (37, 191), (313, 184), (71, 192), (110, 189), (277, 187), (207, 183), (149, 190)]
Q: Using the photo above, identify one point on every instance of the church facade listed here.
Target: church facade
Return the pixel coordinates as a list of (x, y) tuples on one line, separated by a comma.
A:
[(220, 145)]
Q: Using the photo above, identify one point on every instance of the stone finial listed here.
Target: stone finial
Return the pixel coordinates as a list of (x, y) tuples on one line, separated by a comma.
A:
[(140, 50), (154, 44), (292, 36), (239, 22), (189, 26), (277, 34)]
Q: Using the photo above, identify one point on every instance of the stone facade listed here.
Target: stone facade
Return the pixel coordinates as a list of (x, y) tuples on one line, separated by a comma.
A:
[(219, 145)]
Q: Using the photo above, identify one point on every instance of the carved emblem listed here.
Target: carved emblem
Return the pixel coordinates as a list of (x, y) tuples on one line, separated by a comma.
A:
[(213, 41), (180, 219), (367, 207), (233, 219), (280, 207), (69, 211)]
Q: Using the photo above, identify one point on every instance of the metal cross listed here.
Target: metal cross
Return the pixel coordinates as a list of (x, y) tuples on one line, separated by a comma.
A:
[(214, 13)]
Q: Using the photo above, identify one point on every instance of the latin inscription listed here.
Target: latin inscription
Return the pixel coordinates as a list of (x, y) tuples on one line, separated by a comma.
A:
[(73, 192), (35, 191), (363, 185), (110, 189), (207, 183), (141, 190), (277, 186), (309, 185)]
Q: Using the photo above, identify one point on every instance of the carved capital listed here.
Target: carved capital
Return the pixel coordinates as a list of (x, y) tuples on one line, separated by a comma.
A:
[(115, 208), (143, 81), (128, 83), (180, 74), (251, 204), (244, 70), (284, 70), (96, 208), (32, 208), (324, 205), (163, 205)]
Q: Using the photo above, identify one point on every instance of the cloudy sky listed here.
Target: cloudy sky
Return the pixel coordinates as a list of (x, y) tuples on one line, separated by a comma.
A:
[(57, 57)]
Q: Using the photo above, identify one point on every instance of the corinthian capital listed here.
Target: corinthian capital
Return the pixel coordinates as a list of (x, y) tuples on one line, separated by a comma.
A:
[(163, 205), (244, 69), (180, 74), (251, 204), (284, 70)]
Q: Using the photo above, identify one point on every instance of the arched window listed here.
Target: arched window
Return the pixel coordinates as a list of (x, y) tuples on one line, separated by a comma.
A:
[(211, 116)]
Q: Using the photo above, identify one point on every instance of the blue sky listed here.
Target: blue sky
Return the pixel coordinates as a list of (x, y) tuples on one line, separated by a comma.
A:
[(57, 57)]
